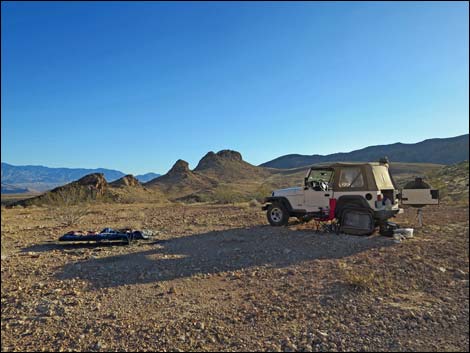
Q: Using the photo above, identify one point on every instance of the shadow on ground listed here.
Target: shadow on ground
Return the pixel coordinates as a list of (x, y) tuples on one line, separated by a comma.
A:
[(52, 245), (218, 251)]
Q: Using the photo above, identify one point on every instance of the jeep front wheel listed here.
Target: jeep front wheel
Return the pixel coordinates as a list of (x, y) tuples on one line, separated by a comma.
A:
[(277, 215)]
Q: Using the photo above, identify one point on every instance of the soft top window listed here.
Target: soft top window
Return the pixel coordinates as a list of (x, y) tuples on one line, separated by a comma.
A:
[(320, 175), (351, 177), (382, 177)]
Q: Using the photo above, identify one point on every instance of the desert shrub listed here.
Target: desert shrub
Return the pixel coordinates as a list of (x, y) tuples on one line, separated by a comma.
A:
[(69, 216), (360, 281), (225, 195), (68, 197), (367, 281), (254, 203), (261, 192)]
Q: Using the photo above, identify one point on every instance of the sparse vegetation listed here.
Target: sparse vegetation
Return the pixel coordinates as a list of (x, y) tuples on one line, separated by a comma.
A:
[(69, 216), (452, 182), (370, 281), (225, 195), (262, 192), (213, 262)]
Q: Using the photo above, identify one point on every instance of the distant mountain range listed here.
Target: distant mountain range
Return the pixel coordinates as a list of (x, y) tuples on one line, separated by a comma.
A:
[(11, 189), (29, 178), (216, 172), (143, 178), (222, 177), (438, 150)]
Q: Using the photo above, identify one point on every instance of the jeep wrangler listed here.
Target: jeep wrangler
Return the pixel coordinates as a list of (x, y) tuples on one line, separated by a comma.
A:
[(359, 196)]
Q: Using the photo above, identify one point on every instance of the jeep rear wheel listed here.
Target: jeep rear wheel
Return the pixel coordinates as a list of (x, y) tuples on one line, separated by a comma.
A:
[(277, 215)]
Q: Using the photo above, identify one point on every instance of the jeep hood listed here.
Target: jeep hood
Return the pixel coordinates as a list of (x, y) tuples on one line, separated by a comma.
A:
[(288, 192)]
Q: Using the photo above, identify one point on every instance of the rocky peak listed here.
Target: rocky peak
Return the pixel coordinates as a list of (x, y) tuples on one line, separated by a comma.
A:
[(179, 167), (211, 159), (229, 154), (97, 180), (128, 180)]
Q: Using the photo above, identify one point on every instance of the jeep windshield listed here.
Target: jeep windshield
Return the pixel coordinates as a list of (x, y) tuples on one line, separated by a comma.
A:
[(319, 176)]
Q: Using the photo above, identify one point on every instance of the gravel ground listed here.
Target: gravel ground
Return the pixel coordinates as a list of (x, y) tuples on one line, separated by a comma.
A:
[(218, 278)]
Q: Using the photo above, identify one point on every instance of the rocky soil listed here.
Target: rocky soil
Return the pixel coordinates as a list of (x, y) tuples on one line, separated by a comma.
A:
[(218, 278)]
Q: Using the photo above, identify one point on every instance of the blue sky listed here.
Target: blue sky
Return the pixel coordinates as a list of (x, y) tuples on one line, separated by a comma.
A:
[(135, 86)]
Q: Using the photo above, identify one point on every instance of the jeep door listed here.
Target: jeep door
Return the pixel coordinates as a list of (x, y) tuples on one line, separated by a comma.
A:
[(317, 198)]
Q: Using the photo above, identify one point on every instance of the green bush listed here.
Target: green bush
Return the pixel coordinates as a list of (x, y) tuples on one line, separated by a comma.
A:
[(261, 192), (226, 195)]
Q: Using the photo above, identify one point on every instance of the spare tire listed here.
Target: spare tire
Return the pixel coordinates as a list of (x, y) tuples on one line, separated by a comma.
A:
[(357, 221), (418, 183)]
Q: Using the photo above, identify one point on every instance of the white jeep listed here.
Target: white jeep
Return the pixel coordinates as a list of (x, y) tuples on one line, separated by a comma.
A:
[(360, 196)]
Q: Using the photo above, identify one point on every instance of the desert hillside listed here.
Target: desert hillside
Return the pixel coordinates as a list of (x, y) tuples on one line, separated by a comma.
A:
[(452, 181), (93, 188), (222, 177), (181, 181), (218, 177), (437, 151), (89, 188)]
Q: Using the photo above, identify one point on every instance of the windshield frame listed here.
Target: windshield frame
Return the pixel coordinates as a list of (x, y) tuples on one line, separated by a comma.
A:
[(319, 169)]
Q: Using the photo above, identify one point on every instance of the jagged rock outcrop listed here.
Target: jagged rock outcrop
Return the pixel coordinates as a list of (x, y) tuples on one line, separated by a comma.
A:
[(126, 181), (216, 173), (180, 180), (228, 165), (180, 167), (212, 160), (94, 181), (179, 171)]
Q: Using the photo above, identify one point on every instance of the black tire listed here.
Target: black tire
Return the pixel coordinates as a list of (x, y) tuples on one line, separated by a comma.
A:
[(349, 202), (277, 214)]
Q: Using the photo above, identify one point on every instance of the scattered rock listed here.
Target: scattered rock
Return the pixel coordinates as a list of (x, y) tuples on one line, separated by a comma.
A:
[(459, 274)]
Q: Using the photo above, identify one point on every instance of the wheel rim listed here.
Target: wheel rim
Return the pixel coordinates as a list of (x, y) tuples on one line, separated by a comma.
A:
[(276, 214)]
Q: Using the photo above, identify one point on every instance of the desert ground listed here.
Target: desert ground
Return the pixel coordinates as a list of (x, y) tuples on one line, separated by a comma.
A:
[(218, 277)]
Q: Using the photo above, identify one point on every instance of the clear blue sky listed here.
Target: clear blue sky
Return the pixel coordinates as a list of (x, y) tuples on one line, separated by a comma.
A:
[(135, 86)]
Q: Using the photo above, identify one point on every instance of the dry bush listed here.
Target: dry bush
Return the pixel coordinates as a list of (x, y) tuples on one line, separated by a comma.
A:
[(262, 192), (367, 281), (360, 281), (69, 216), (225, 195)]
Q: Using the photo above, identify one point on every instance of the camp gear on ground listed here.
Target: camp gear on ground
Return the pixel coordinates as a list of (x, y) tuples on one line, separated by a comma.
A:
[(107, 234)]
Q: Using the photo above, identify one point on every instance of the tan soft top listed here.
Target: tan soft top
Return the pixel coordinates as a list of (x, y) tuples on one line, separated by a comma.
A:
[(376, 176)]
